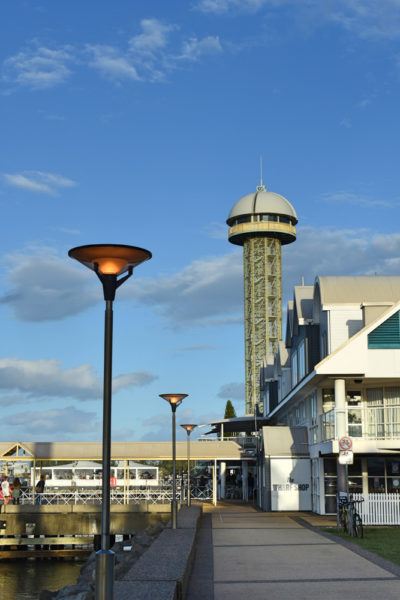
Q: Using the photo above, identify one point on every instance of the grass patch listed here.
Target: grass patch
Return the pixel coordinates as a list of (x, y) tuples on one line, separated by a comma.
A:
[(383, 541)]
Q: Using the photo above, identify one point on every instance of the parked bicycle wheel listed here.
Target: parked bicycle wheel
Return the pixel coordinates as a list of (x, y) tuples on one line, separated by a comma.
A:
[(344, 521), (358, 526)]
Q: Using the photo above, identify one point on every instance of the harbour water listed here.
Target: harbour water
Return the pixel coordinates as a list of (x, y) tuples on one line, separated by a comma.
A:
[(24, 579)]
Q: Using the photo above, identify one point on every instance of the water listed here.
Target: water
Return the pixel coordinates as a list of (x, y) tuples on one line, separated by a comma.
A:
[(24, 579)]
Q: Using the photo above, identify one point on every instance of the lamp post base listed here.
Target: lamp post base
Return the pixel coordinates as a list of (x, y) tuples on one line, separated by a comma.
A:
[(105, 574), (174, 514)]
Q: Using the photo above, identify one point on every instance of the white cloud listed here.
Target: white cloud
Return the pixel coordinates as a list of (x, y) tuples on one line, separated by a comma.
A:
[(208, 292), (232, 391), (44, 287), (344, 197), (223, 6), (203, 292), (38, 67), (365, 18), (159, 426), (320, 251), (147, 56), (39, 181), (57, 422), (193, 48), (153, 38), (112, 63), (46, 378)]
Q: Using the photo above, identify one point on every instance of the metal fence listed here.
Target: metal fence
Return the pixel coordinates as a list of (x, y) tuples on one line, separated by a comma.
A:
[(379, 509), (162, 495)]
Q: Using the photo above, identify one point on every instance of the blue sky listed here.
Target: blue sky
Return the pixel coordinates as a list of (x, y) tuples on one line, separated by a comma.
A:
[(142, 123)]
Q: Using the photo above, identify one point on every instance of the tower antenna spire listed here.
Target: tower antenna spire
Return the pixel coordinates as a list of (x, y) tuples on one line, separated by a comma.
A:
[(261, 187)]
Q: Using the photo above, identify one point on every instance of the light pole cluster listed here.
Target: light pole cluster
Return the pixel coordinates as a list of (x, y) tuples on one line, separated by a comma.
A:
[(113, 265), (174, 400), (109, 262), (188, 428)]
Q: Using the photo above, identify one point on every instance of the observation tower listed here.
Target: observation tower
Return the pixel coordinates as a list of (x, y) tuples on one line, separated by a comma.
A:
[(261, 222)]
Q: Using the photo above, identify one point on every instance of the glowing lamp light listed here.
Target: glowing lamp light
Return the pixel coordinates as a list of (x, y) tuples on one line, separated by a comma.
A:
[(174, 399), (110, 259), (188, 427)]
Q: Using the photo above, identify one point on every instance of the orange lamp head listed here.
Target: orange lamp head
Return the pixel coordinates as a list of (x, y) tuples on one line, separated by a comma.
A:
[(174, 399), (189, 427), (109, 261)]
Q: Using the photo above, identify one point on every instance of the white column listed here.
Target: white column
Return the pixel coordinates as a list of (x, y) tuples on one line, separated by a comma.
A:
[(222, 431), (340, 406), (340, 421), (214, 479), (245, 489), (222, 476)]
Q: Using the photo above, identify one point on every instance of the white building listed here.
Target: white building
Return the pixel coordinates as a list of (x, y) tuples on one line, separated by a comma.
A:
[(337, 374)]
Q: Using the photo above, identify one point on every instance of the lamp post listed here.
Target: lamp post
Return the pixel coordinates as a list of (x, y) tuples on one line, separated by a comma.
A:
[(174, 400), (109, 262), (189, 428)]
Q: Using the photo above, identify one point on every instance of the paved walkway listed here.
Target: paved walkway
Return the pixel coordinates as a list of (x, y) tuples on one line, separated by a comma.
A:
[(249, 555)]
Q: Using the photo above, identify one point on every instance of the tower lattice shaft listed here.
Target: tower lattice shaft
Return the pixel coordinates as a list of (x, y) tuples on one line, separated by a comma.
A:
[(262, 307)]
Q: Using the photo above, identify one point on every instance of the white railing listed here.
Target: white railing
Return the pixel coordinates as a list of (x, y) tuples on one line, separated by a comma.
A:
[(375, 422), (242, 440), (379, 509), (133, 496)]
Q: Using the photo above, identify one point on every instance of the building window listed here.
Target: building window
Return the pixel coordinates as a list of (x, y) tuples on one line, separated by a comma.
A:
[(387, 335), (293, 362), (383, 412), (354, 414), (284, 220), (273, 218), (324, 345), (301, 352), (242, 220)]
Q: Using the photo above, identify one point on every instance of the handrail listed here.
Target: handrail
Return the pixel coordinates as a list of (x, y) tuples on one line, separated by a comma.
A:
[(159, 495)]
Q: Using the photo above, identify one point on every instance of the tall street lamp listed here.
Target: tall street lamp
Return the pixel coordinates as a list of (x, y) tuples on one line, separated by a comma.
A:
[(189, 428), (109, 262), (174, 400)]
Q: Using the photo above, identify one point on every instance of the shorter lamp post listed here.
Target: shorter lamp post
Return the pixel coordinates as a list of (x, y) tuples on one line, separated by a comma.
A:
[(174, 400), (188, 428), (109, 262)]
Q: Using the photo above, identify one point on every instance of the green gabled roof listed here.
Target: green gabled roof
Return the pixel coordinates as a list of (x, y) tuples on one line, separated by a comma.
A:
[(387, 334)]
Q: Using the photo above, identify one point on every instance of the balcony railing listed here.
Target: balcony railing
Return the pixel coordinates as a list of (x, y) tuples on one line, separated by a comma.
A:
[(367, 422)]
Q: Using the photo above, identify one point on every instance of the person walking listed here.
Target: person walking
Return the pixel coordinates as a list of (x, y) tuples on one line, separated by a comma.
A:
[(16, 493), (5, 488), (39, 489)]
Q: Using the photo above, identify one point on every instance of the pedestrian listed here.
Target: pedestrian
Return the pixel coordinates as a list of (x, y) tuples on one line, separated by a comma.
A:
[(250, 484), (5, 488), (16, 493), (39, 489)]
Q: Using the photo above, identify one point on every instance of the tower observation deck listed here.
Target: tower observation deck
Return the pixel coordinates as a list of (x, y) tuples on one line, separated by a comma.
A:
[(261, 222)]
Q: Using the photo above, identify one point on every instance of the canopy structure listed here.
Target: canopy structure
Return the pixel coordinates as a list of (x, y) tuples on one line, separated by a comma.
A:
[(73, 451)]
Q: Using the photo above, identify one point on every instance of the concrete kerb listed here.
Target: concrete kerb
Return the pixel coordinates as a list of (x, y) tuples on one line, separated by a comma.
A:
[(163, 571)]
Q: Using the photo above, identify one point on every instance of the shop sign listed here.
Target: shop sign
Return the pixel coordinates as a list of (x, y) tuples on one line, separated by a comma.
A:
[(346, 457)]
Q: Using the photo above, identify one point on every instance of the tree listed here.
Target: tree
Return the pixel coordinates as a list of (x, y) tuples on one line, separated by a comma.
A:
[(230, 412)]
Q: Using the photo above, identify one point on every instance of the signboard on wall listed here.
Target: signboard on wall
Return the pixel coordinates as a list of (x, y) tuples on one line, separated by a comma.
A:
[(346, 457), (290, 483)]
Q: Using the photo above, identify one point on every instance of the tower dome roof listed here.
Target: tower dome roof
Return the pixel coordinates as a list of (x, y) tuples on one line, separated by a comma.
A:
[(262, 202)]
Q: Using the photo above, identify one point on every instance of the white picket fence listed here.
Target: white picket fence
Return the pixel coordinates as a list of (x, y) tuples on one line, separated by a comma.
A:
[(379, 509)]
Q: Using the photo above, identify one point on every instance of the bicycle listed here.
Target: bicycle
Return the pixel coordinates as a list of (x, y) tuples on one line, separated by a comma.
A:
[(349, 520)]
